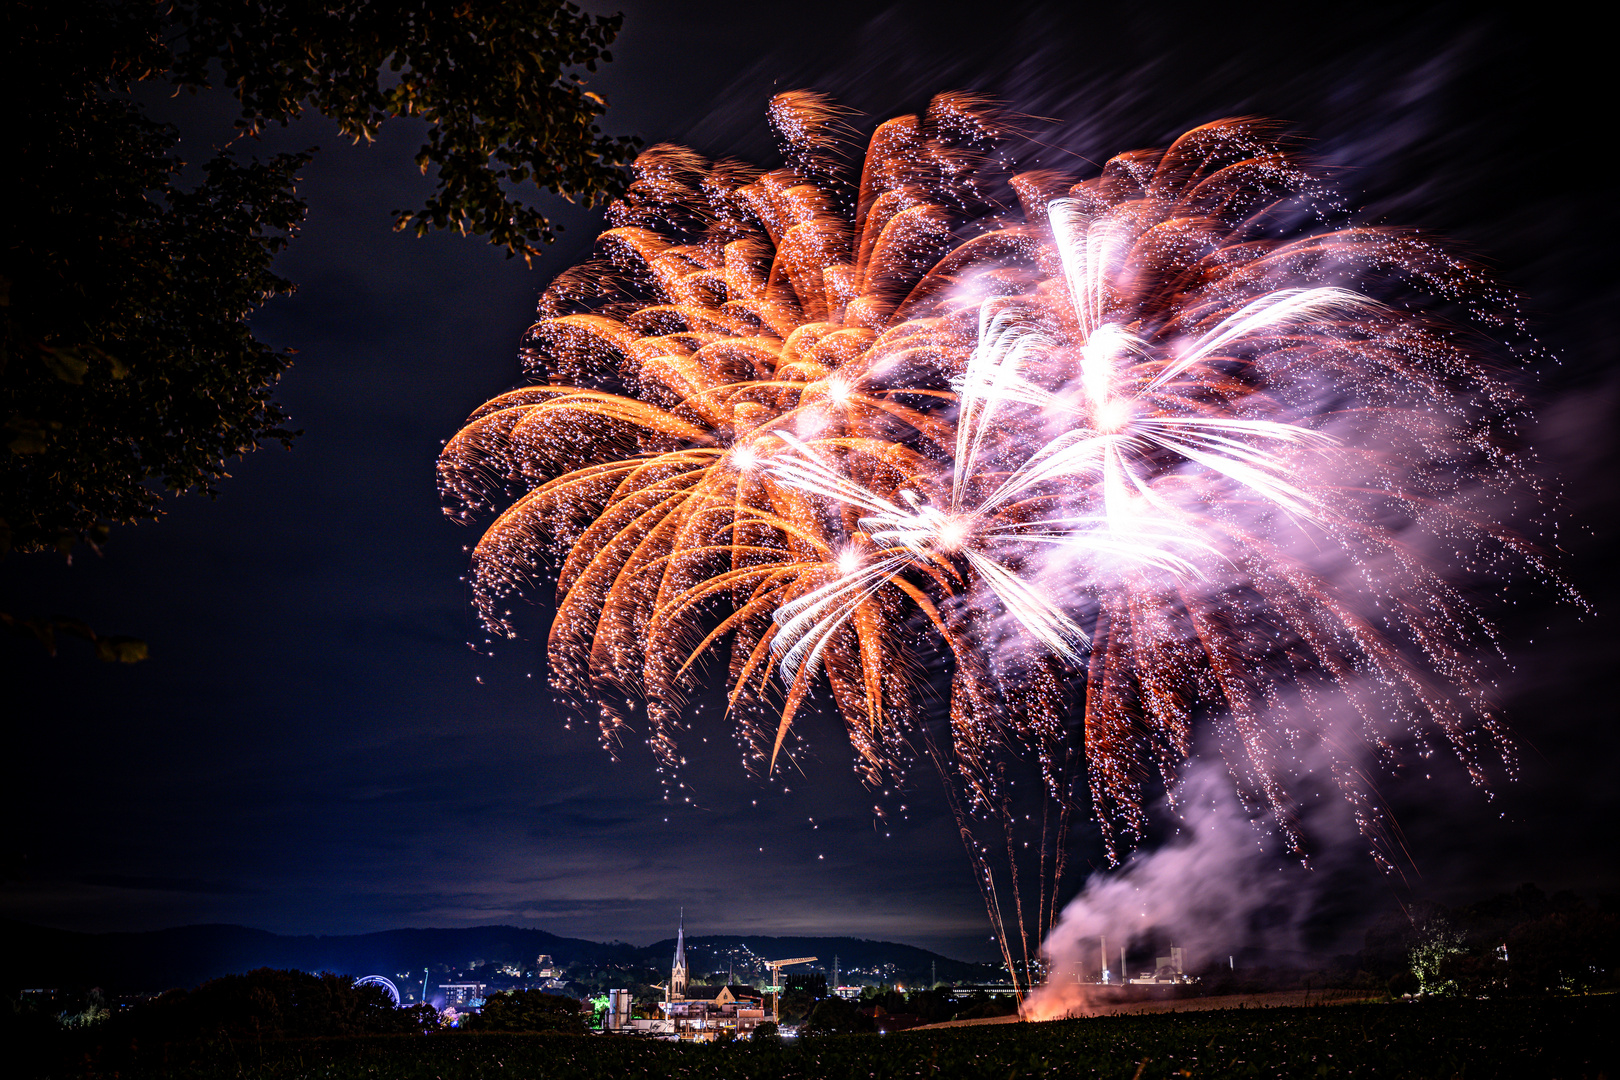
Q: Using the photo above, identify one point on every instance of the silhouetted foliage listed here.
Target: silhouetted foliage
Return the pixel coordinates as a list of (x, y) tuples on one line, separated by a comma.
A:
[(1476, 1039), (111, 648), (982, 1006), (127, 364), (1576, 950), (835, 1016), (885, 997), (271, 1004), (221, 1017), (126, 361), (1516, 943), (813, 983), (494, 80), (527, 1010), (795, 1007), (932, 1006)]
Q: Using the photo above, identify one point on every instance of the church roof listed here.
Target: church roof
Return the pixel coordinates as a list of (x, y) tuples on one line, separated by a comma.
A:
[(721, 994)]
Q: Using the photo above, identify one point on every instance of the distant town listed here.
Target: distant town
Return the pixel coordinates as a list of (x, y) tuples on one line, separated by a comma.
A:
[(459, 969), (711, 990), (702, 988), (724, 988), (708, 963)]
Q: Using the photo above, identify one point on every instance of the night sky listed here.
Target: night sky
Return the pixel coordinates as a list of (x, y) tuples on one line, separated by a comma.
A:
[(314, 747)]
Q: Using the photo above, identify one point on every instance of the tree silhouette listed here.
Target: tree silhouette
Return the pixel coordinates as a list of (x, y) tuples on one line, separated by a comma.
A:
[(127, 364)]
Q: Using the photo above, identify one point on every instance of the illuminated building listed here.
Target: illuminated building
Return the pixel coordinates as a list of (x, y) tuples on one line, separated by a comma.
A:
[(734, 1010), (462, 996)]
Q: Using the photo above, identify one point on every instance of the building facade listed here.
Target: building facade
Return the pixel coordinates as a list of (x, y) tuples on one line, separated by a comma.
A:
[(700, 1014)]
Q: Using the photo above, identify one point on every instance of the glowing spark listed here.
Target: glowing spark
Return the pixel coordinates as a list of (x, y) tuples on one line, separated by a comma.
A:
[(849, 561)]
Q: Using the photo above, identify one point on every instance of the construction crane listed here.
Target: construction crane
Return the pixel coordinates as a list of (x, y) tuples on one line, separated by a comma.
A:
[(775, 989)]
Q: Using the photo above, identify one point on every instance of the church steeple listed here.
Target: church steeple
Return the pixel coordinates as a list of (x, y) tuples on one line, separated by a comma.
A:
[(677, 973)]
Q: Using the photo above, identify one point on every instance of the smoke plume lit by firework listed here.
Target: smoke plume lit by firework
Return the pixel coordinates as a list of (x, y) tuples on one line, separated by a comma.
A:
[(1211, 887), (1013, 466)]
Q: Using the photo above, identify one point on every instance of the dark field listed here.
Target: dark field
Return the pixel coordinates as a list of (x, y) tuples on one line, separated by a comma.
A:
[(1566, 1038)]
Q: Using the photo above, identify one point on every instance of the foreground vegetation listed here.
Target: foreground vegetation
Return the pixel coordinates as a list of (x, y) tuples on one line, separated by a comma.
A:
[(1562, 1038)]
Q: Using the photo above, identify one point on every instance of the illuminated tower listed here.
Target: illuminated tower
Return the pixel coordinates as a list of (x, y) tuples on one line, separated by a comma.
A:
[(677, 973)]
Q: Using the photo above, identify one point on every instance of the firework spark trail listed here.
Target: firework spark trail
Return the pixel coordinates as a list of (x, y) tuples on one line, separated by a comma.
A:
[(1109, 433)]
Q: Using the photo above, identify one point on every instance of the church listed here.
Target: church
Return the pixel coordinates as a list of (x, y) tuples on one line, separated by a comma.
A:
[(733, 1011)]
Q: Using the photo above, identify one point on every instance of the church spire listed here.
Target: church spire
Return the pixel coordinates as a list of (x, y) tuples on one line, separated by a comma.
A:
[(677, 972)]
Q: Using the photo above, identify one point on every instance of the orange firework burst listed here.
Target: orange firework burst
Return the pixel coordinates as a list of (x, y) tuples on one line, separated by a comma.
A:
[(1164, 435)]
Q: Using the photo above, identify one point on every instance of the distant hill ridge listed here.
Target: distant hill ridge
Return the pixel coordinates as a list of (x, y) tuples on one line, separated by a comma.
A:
[(36, 956)]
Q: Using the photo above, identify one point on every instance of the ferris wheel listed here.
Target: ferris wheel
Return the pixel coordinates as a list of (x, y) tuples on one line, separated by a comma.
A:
[(383, 981)]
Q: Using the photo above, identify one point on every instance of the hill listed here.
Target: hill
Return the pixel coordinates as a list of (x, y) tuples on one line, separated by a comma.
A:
[(188, 955), (35, 956)]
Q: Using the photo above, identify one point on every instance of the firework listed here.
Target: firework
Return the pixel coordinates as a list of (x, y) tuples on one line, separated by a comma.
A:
[(1174, 436)]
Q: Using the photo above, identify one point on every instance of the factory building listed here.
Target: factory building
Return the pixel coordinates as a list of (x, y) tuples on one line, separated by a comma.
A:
[(1166, 969)]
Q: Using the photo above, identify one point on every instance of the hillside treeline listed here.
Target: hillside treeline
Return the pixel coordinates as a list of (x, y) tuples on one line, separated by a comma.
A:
[(1522, 943)]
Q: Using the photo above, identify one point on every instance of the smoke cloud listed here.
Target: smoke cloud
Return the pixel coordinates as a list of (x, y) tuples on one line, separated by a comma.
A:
[(1217, 888)]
